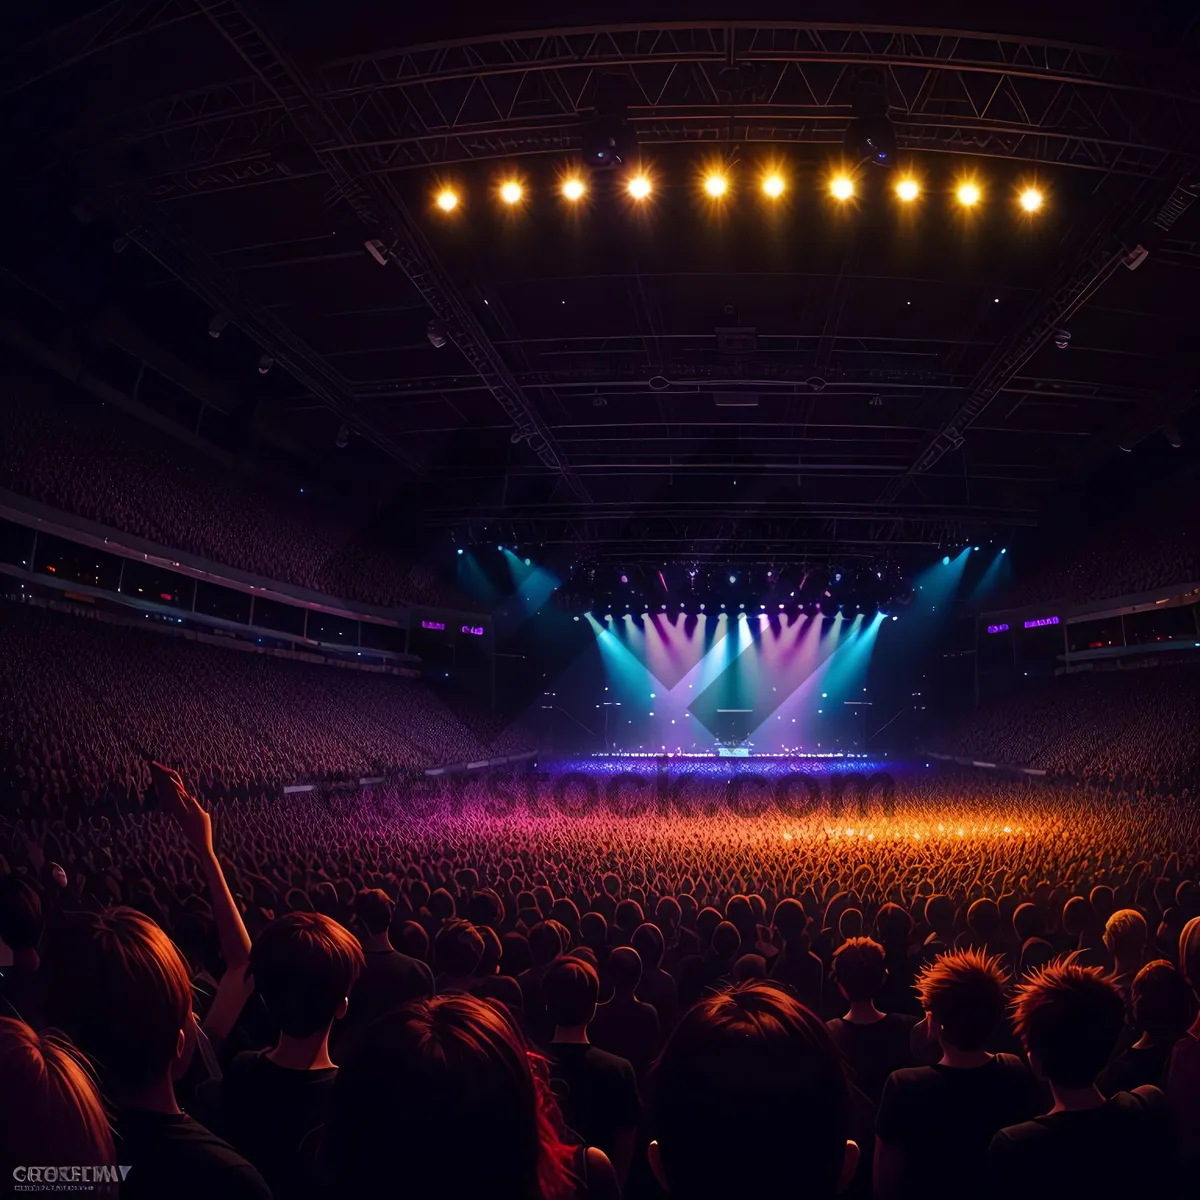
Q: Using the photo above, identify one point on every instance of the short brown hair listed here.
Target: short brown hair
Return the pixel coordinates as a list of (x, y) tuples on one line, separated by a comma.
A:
[(304, 965), (858, 967), (118, 986), (1070, 1017), (50, 1107), (750, 1066), (964, 991)]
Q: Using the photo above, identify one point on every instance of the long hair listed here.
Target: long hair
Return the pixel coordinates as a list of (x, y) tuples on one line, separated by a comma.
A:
[(443, 1098), (50, 1106)]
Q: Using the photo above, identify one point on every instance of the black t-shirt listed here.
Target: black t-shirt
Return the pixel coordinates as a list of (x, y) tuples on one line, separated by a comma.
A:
[(388, 980), (169, 1154), (1136, 1068), (266, 1111), (628, 1028), (1121, 1150), (596, 1091), (874, 1051), (943, 1119)]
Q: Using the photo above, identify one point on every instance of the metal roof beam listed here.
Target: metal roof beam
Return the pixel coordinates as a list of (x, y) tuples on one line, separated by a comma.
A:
[(382, 211)]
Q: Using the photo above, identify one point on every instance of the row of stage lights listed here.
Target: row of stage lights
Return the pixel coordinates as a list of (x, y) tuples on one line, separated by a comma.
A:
[(716, 185), (763, 613)]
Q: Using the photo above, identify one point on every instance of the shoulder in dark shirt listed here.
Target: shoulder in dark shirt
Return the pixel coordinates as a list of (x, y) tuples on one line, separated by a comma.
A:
[(267, 1110), (597, 1091), (1121, 1148), (169, 1154)]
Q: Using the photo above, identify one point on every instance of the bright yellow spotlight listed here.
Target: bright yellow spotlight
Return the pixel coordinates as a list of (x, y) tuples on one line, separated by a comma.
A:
[(639, 187), (511, 192), (908, 190), (773, 186), (715, 185), (841, 187), (968, 194), (1031, 200), (447, 201), (573, 189)]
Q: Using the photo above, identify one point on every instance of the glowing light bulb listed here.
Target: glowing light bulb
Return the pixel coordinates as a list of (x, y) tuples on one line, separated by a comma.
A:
[(908, 190), (841, 187), (773, 186), (639, 187), (968, 194), (447, 201), (511, 192), (573, 189), (1031, 200), (715, 186)]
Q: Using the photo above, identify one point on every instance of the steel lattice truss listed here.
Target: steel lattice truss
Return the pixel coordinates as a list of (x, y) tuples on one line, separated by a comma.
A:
[(1037, 101), (827, 474)]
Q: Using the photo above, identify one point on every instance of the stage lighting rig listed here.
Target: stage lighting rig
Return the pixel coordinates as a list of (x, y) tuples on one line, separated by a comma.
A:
[(610, 141), (871, 136)]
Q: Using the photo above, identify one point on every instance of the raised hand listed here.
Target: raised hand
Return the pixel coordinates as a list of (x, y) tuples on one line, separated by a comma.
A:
[(189, 814)]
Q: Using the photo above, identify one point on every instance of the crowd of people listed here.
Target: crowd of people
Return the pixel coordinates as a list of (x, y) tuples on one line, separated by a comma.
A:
[(1123, 727), (95, 462), (86, 703), (1154, 547), (985, 987)]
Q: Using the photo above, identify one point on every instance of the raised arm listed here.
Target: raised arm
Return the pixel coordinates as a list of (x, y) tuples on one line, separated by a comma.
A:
[(196, 824)]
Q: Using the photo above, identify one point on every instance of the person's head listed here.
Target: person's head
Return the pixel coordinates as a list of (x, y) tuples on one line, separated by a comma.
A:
[(726, 940), (431, 1078), (571, 988), (751, 1067), (1027, 922), (117, 986), (489, 962), (1162, 1003), (647, 940), (850, 923), (457, 949), (963, 993), (413, 940), (858, 968), (1103, 900), (373, 911), (627, 918), (983, 919), (1035, 953), (789, 918), (892, 926), (625, 969), (1078, 916), (50, 1106), (20, 915), (1189, 954), (304, 965), (1069, 1018), (707, 920), (441, 904), (749, 966), (668, 914), (544, 943), (740, 914), (939, 912), (1125, 934)]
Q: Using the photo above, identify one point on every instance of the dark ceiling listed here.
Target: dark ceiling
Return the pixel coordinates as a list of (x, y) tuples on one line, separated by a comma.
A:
[(893, 377)]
